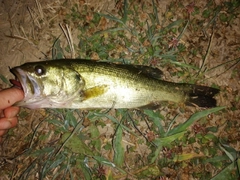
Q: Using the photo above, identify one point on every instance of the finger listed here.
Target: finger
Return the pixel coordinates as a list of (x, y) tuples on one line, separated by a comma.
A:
[(1, 114), (11, 111), (9, 96), (7, 123), (2, 132)]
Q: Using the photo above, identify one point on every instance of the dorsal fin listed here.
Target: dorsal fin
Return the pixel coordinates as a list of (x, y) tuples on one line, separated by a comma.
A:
[(149, 71)]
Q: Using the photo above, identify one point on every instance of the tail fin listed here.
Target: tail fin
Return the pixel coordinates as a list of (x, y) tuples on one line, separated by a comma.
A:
[(202, 96)]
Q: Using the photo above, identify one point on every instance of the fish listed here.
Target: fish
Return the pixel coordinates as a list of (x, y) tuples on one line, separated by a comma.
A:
[(89, 84)]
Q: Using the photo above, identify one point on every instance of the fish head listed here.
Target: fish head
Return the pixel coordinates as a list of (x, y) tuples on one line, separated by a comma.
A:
[(47, 84)]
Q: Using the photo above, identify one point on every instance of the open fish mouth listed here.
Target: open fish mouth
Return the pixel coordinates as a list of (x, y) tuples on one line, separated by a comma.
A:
[(17, 81), (28, 85), (25, 82), (20, 80)]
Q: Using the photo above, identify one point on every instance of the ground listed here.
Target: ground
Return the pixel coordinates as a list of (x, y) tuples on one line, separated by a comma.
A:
[(193, 42)]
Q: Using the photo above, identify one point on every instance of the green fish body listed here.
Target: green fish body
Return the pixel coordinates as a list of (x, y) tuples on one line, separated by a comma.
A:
[(87, 84)]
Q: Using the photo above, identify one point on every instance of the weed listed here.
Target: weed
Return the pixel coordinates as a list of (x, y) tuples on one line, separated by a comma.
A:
[(140, 144)]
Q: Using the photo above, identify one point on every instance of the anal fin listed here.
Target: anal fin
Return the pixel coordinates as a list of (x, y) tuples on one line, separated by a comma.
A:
[(151, 106)]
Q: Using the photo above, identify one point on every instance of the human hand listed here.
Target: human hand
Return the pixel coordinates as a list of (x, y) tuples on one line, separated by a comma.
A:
[(8, 113)]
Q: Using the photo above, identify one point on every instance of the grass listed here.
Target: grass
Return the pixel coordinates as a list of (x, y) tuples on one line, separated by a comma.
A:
[(166, 143)]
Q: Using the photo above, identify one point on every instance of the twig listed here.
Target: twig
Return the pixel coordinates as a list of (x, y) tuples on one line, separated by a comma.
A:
[(69, 137), (234, 64), (35, 20), (207, 53), (68, 36), (40, 9)]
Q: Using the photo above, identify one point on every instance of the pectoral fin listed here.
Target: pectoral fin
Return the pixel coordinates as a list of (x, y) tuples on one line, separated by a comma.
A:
[(94, 91)]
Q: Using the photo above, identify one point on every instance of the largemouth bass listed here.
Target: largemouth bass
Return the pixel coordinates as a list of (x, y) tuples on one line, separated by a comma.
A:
[(87, 84)]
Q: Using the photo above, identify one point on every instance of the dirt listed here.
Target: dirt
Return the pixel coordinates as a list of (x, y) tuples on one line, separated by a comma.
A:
[(27, 34)]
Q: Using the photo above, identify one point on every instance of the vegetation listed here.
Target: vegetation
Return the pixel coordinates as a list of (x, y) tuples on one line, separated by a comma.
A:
[(167, 143)]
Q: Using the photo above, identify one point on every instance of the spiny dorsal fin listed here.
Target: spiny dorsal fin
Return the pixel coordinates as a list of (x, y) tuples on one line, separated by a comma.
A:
[(149, 71)]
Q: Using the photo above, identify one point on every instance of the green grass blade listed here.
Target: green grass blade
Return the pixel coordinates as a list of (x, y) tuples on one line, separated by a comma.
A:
[(28, 170), (42, 151), (238, 166), (125, 12), (171, 58), (156, 117), (184, 29), (106, 162), (175, 23), (160, 142), (56, 163), (81, 164), (215, 159), (229, 151), (70, 118), (96, 142), (230, 172), (155, 11), (114, 120), (156, 154), (5, 80), (111, 17), (110, 30), (171, 124), (192, 119), (57, 51), (169, 139), (118, 148), (75, 144)]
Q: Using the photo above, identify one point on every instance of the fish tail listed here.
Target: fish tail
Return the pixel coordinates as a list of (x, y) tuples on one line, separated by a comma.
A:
[(202, 96)]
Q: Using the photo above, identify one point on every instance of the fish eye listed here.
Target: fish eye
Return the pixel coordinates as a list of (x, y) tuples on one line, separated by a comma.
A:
[(39, 70)]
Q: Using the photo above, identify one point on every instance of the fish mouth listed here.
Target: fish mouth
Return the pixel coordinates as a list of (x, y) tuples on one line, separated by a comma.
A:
[(19, 81), (29, 85), (16, 83), (25, 82)]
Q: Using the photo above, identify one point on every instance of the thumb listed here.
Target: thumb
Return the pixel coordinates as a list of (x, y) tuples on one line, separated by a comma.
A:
[(10, 96)]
